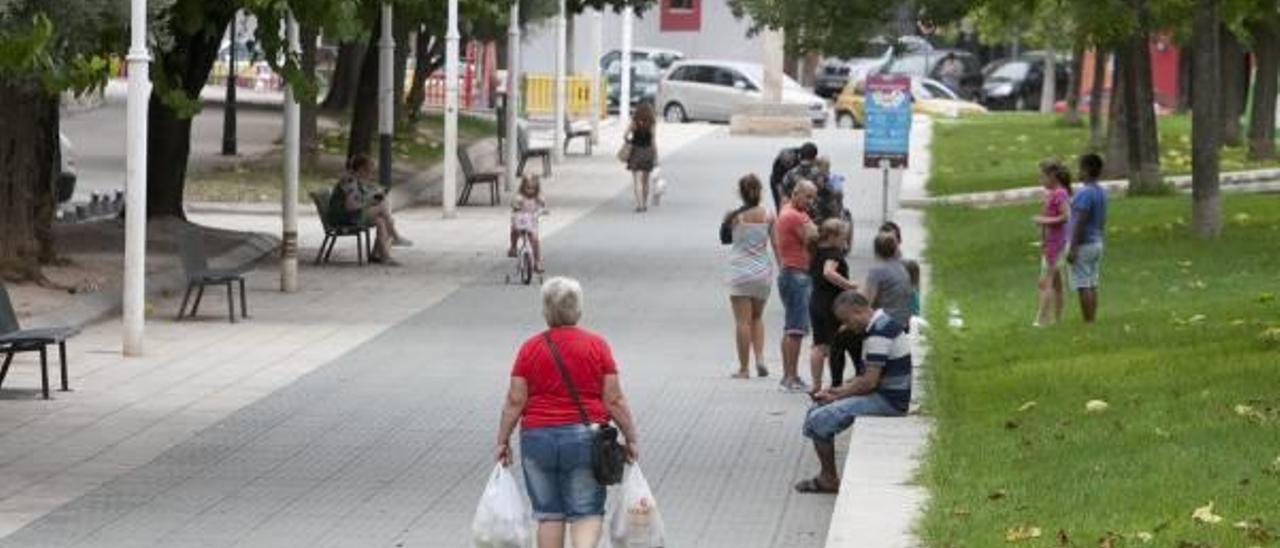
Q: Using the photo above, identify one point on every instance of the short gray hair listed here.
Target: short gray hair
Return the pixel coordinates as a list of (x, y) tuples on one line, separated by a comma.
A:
[(562, 301)]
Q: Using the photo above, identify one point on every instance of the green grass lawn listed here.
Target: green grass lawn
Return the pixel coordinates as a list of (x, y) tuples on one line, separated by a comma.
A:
[(1186, 354), (259, 180), (1000, 150)]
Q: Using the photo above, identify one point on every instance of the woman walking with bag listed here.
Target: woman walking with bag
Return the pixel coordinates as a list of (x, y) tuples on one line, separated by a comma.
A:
[(564, 391), (749, 230), (641, 153)]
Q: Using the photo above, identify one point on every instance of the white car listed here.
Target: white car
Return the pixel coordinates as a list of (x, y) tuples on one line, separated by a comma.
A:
[(714, 90)]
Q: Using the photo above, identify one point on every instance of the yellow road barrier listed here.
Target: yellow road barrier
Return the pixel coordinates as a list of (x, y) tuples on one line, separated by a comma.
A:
[(540, 95)]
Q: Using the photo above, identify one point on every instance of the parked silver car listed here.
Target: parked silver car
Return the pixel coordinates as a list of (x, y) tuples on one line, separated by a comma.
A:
[(713, 90)]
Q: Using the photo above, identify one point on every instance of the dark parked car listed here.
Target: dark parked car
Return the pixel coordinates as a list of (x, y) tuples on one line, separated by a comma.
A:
[(958, 69), (834, 73), (1015, 84)]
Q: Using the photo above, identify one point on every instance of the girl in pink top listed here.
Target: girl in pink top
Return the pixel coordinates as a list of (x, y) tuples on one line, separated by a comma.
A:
[(1052, 220)]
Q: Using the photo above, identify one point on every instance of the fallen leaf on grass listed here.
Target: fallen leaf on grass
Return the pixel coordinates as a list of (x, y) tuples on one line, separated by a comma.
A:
[(997, 494), (1265, 298), (1143, 536), (1062, 538), (1108, 540), (961, 512), (1021, 533), (1249, 412), (1027, 406), (1270, 335), (1096, 406), (1162, 432), (1198, 318), (1184, 264), (1204, 514)]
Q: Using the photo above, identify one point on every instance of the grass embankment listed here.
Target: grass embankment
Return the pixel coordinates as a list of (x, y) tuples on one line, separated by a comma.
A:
[(258, 180), (1000, 150), (1186, 354)]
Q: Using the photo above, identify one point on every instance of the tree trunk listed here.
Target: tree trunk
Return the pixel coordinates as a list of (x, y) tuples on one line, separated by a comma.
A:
[(185, 66), (1146, 178), (1233, 93), (1206, 209), (28, 167), (364, 113), (1049, 82), (346, 76), (1117, 136), (309, 134), (1095, 99), (1072, 116), (400, 65), (428, 56), (1186, 77), (1262, 121)]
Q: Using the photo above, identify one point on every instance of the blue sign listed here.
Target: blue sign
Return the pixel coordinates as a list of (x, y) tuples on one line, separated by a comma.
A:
[(887, 104)]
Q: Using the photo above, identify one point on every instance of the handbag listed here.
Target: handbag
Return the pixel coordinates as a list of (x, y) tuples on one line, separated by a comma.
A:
[(607, 455), (624, 153)]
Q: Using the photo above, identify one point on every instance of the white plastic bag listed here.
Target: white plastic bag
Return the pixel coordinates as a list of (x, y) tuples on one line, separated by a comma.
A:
[(502, 517), (636, 521)]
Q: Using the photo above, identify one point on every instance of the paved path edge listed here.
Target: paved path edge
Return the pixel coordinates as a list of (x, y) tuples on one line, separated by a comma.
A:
[(879, 503)]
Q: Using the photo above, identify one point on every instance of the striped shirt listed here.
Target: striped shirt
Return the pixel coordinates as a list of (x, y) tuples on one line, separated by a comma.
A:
[(887, 347)]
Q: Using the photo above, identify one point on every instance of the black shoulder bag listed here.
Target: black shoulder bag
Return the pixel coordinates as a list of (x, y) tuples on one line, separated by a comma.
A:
[(607, 455)]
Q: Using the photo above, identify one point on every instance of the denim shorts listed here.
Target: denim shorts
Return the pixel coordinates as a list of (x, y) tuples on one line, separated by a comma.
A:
[(557, 473), (1084, 271), (796, 288), (824, 422)]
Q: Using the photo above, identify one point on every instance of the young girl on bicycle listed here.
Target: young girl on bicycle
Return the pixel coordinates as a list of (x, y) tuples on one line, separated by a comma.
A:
[(525, 209)]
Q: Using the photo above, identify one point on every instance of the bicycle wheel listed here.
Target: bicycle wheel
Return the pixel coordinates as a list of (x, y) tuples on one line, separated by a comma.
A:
[(526, 267)]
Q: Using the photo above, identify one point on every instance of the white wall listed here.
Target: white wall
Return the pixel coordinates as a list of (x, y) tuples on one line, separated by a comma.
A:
[(721, 37)]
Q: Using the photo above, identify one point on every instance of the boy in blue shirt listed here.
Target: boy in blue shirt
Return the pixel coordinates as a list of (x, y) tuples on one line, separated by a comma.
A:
[(1089, 227)]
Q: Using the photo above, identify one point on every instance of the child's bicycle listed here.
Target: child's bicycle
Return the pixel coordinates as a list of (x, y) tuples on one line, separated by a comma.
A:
[(525, 264)]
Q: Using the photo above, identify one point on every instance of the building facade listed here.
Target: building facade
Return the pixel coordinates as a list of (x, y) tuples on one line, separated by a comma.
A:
[(701, 29)]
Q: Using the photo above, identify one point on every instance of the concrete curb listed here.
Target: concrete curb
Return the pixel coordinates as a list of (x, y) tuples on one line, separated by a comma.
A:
[(1260, 180), (88, 309)]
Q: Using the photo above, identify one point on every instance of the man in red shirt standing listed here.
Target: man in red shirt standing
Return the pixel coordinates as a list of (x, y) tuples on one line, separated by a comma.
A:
[(793, 233)]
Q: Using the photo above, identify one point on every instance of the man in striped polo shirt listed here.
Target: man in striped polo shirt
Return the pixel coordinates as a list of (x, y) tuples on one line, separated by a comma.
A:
[(883, 387)]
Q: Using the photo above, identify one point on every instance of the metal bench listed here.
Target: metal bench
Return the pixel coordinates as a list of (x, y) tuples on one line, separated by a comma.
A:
[(364, 240), (527, 152), (473, 178), (570, 134), (15, 340), (195, 264)]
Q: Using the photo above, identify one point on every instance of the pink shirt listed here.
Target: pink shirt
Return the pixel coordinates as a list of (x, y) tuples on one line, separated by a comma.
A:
[(1053, 238), (793, 250)]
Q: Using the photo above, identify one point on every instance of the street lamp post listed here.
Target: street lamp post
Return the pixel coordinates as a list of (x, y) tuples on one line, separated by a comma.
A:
[(513, 94), (557, 151), (289, 244), (624, 93), (451, 113), (229, 109), (135, 228), (386, 91)]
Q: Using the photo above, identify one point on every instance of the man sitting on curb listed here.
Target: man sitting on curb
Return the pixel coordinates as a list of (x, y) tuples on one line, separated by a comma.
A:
[(882, 389)]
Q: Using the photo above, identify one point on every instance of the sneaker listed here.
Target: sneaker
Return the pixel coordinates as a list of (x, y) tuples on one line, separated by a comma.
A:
[(799, 387), (402, 242)]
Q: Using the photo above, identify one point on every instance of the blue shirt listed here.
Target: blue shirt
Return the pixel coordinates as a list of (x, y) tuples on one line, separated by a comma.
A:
[(1091, 200), (887, 346)]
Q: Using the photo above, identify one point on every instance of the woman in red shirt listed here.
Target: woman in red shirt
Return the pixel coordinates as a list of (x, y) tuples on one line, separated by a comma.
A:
[(555, 444)]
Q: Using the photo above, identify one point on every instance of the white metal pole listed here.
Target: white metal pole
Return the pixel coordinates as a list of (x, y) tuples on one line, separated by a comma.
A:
[(451, 113), (624, 94), (292, 125), (597, 43), (135, 227), (386, 95), (513, 94), (557, 151)]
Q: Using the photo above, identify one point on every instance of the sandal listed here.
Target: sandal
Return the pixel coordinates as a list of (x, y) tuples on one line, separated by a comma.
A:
[(741, 375), (761, 370), (814, 487)]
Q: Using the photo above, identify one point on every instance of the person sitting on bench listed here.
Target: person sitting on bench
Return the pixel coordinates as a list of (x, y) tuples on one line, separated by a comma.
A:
[(355, 202)]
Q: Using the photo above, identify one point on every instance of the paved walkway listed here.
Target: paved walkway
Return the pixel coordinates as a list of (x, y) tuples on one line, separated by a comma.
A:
[(362, 411)]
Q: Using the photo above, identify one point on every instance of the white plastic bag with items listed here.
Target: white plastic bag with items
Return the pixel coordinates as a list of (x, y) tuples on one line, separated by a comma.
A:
[(502, 518), (636, 521)]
